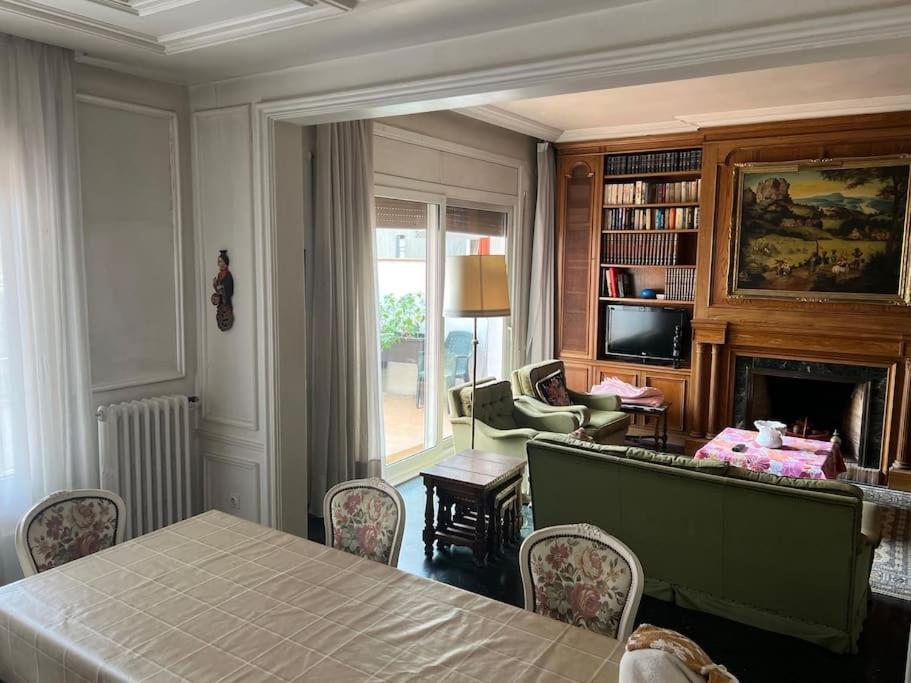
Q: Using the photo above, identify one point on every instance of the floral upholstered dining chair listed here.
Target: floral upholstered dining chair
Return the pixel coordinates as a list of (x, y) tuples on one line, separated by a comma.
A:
[(583, 576), (365, 517), (67, 525)]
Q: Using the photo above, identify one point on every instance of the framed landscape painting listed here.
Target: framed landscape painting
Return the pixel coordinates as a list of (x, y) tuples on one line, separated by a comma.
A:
[(835, 230)]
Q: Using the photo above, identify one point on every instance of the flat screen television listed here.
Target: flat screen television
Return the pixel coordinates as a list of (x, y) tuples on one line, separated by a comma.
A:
[(648, 332)]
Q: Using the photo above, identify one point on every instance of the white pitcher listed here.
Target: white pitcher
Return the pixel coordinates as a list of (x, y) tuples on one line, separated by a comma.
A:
[(770, 433)]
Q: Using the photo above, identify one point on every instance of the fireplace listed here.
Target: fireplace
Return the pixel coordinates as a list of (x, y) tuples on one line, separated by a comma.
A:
[(817, 399)]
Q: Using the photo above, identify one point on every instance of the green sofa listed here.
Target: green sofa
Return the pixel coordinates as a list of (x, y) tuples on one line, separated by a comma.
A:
[(600, 414), (787, 555)]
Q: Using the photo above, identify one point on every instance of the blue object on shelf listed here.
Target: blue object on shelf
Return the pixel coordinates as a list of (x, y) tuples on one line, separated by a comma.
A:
[(648, 294)]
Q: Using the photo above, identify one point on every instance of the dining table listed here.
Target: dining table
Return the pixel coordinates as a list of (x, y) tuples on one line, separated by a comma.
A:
[(219, 598)]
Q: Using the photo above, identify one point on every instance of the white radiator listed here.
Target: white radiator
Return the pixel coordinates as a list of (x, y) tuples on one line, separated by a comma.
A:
[(146, 458)]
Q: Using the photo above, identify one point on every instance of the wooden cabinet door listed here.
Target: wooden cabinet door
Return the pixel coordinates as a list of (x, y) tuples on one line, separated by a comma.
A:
[(674, 388), (578, 377), (577, 178), (628, 376)]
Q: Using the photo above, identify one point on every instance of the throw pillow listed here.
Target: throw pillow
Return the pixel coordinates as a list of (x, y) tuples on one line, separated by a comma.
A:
[(552, 390)]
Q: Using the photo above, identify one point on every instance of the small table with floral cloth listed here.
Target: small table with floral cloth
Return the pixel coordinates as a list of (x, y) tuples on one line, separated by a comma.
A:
[(217, 598), (801, 458)]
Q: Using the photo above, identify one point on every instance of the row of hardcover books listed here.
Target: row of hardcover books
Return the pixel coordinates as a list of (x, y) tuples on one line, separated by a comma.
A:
[(653, 162), (680, 284), (647, 249), (617, 283), (676, 218), (644, 192)]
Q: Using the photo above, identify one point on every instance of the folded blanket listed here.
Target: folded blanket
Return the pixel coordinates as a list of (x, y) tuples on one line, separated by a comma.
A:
[(628, 393), (685, 650)]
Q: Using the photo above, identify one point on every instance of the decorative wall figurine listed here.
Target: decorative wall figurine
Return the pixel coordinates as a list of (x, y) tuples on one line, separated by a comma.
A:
[(223, 298)]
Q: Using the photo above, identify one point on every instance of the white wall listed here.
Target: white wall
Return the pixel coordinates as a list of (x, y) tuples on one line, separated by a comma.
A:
[(138, 223), (232, 376)]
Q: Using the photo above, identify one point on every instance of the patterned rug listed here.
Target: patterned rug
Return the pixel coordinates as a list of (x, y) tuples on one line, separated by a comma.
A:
[(891, 573)]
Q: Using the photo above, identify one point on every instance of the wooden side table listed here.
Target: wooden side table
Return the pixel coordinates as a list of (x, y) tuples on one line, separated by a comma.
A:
[(469, 482), (660, 415)]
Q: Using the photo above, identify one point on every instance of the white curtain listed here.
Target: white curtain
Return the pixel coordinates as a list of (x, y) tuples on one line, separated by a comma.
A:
[(540, 338), (46, 423), (345, 411)]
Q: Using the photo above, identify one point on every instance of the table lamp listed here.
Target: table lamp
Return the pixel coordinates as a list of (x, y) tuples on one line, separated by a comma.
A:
[(475, 287)]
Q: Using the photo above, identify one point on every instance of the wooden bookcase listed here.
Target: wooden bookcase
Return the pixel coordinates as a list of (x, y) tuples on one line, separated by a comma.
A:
[(599, 228)]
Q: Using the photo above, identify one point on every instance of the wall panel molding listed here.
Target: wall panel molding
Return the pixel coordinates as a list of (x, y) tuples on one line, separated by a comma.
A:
[(179, 369)]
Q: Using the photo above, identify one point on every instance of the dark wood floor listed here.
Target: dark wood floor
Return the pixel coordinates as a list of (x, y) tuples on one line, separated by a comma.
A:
[(751, 654)]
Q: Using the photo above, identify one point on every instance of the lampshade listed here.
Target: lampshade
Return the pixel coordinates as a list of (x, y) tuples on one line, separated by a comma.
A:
[(476, 287)]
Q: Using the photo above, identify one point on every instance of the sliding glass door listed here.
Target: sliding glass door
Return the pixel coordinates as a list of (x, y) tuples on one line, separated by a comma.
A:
[(423, 354)]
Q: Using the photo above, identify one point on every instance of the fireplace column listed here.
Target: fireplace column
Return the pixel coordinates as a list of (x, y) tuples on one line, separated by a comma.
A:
[(698, 430), (900, 472), (714, 391)]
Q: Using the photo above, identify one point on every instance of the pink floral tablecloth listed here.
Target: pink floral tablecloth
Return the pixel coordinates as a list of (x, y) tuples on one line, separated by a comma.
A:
[(803, 458)]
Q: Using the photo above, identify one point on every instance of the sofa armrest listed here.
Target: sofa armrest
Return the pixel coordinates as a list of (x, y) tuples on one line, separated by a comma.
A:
[(524, 433), (870, 528), (563, 422), (607, 402), (540, 407)]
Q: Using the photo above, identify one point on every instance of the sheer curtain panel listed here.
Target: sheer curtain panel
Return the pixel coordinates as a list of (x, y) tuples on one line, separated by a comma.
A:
[(540, 339), (46, 423), (345, 411)]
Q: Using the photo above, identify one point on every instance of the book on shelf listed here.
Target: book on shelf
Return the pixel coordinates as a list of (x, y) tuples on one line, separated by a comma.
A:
[(631, 249), (646, 192), (654, 162), (680, 284), (616, 284), (670, 218)]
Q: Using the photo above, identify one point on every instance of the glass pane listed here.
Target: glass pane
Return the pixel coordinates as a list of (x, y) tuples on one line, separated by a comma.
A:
[(472, 231), (401, 248)]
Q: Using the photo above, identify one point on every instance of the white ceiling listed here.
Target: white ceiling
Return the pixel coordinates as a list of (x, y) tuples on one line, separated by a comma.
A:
[(652, 64), (196, 41), (872, 84)]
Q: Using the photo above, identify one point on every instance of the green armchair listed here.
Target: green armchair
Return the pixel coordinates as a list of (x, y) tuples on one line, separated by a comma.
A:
[(503, 425), (599, 414)]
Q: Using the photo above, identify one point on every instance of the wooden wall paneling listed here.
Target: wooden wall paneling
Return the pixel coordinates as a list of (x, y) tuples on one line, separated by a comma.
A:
[(675, 392), (576, 197), (578, 376)]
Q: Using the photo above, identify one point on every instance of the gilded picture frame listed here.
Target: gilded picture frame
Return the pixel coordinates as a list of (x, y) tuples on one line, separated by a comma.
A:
[(824, 230)]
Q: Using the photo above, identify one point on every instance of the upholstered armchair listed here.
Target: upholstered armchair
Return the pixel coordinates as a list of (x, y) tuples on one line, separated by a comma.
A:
[(503, 425), (540, 385)]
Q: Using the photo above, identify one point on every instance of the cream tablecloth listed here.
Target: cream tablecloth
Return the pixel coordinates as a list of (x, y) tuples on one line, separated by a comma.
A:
[(218, 598)]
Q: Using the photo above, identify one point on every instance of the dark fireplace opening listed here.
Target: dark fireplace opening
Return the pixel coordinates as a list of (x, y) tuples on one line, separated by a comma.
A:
[(816, 398), (813, 408)]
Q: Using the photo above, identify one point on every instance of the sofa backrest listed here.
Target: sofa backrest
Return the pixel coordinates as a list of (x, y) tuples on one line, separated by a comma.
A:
[(707, 527)]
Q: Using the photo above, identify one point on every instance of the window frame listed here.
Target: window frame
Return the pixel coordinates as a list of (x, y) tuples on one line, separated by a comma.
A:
[(436, 446)]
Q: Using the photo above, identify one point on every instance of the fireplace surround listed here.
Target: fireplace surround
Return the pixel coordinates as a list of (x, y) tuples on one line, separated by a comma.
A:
[(830, 396)]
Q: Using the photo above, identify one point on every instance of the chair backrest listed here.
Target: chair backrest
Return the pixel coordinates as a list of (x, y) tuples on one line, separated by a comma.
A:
[(493, 404), (525, 378), (458, 343), (365, 517), (581, 575), (458, 407), (67, 525)]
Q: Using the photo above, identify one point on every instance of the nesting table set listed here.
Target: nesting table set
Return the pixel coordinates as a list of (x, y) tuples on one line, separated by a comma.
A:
[(479, 502)]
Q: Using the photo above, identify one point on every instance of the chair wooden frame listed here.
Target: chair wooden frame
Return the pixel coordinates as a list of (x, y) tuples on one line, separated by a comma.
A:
[(591, 533), (374, 483), (23, 551)]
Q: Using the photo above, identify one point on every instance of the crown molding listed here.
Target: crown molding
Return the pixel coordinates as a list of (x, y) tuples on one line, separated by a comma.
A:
[(142, 8), (507, 119), (791, 112), (689, 123), (627, 131), (306, 12)]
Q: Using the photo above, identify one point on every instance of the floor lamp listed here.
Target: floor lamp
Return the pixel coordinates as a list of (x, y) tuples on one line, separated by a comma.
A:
[(476, 287)]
